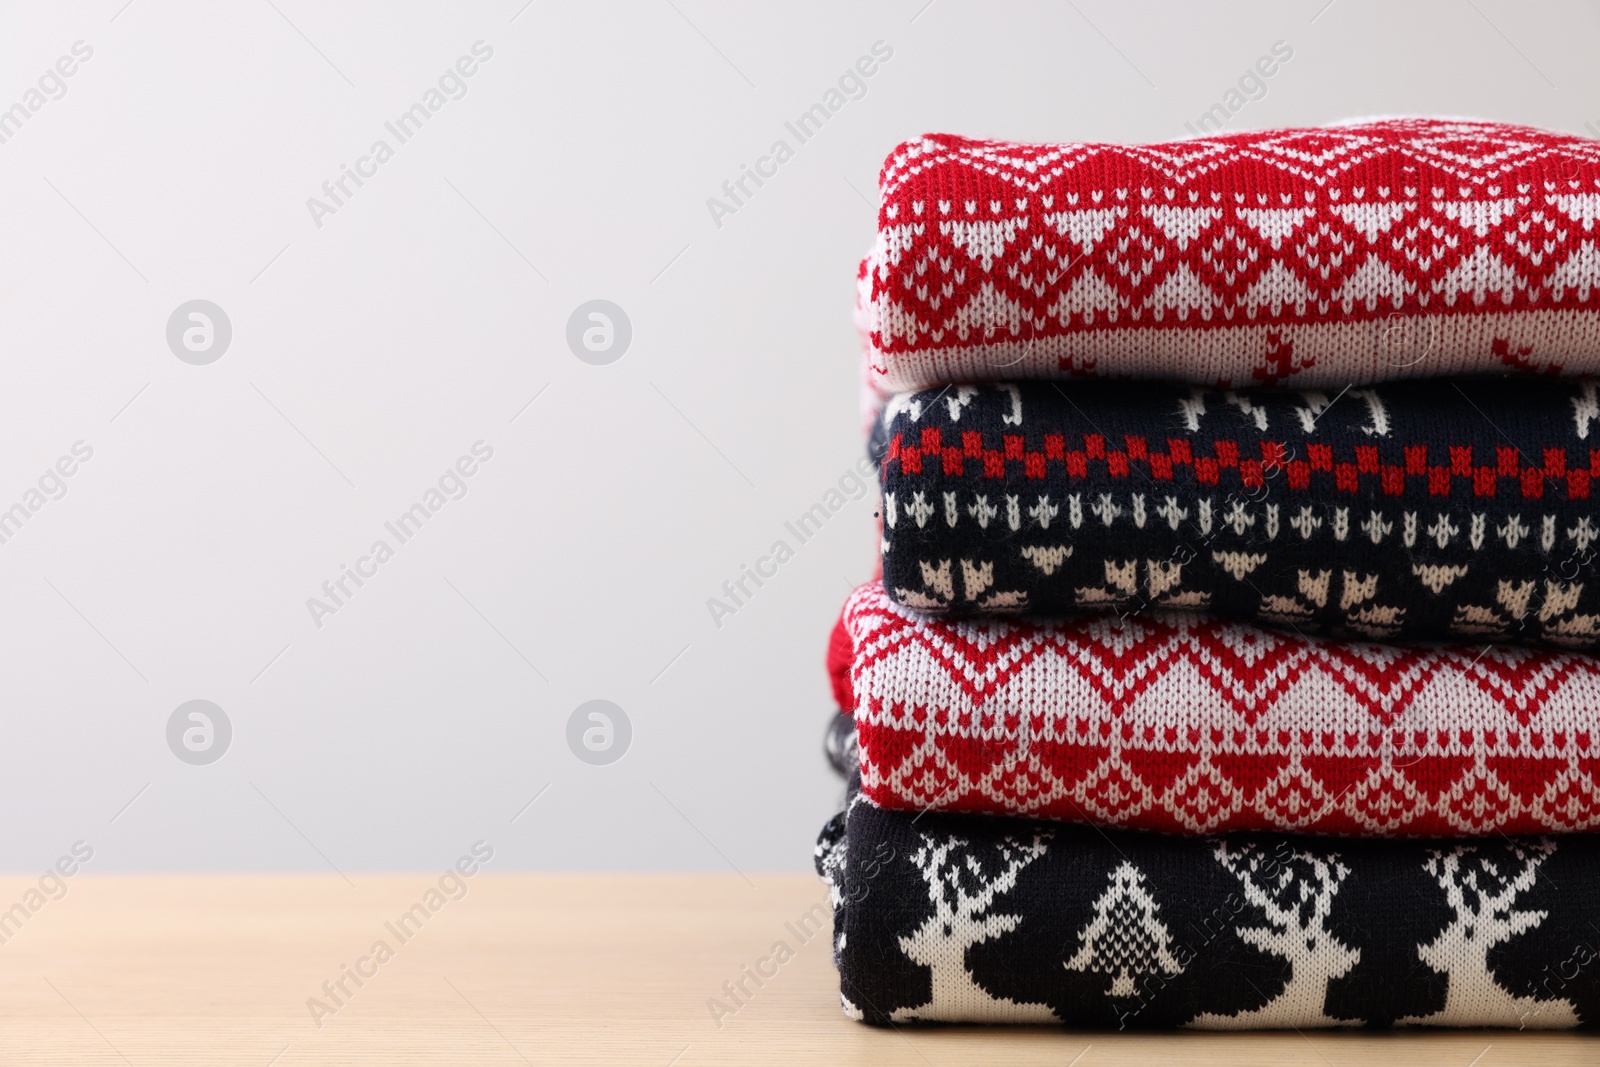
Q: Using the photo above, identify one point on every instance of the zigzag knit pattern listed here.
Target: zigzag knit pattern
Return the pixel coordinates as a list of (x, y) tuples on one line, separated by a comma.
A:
[(944, 918), (1457, 510), (1359, 253), (1176, 723)]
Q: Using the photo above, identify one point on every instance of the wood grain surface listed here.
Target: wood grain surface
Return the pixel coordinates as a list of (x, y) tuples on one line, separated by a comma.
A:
[(529, 969)]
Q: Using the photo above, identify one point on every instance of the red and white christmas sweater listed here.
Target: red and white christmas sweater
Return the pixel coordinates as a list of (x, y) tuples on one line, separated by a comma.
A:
[(1194, 725), (1324, 256)]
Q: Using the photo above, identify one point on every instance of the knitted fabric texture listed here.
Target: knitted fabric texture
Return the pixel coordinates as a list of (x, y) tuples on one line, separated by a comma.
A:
[(1458, 510), (957, 919), (1357, 253), (872, 393), (1177, 723)]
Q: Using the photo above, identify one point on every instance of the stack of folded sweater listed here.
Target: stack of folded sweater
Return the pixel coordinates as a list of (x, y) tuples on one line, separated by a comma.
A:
[(1234, 659)]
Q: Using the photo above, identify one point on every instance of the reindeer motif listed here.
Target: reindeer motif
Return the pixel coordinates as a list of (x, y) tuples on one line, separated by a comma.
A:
[(963, 891), (1294, 892), (1481, 888)]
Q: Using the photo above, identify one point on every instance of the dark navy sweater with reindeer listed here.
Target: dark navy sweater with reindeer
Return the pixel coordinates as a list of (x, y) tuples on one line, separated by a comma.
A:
[(1433, 510), (952, 918)]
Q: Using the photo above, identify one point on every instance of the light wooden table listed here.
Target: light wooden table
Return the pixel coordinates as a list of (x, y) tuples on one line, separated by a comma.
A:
[(532, 969)]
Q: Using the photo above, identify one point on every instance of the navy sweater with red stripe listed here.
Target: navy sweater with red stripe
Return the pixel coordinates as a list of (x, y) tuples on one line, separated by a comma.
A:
[(1442, 509)]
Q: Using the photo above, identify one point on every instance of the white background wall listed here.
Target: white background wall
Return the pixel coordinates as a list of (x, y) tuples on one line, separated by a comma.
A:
[(372, 351)]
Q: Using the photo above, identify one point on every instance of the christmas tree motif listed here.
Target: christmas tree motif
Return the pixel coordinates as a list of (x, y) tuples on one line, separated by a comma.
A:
[(1126, 938), (963, 890), (1481, 887), (1294, 892)]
